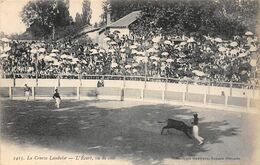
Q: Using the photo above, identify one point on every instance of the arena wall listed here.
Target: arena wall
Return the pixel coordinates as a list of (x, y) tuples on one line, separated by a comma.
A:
[(132, 90)]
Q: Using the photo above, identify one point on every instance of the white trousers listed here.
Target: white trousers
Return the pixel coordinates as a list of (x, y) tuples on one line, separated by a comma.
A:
[(57, 102), (195, 132), (27, 95)]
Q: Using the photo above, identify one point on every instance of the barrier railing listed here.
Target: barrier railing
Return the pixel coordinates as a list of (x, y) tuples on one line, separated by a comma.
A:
[(117, 93), (223, 88)]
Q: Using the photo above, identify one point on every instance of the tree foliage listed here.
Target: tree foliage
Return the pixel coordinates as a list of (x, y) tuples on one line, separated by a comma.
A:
[(41, 15), (223, 17), (78, 19), (86, 12)]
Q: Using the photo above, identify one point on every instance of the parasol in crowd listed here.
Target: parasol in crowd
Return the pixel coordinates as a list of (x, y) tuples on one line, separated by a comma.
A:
[(40, 57), (248, 33), (57, 63), (93, 50), (84, 62), (133, 47), (167, 42), (253, 49), (234, 51), (55, 51), (42, 50), (163, 59), (4, 55), (134, 51), (69, 57), (156, 39), (190, 40), (73, 62), (198, 73), (128, 66), (165, 54), (153, 57), (253, 62), (75, 59), (234, 44), (113, 43), (135, 64), (169, 60), (222, 49), (183, 43), (134, 70), (48, 58), (52, 55), (152, 50), (243, 72), (111, 50), (107, 39), (141, 53), (64, 56), (34, 51), (102, 51), (113, 65), (122, 50), (242, 55), (208, 49), (218, 40)]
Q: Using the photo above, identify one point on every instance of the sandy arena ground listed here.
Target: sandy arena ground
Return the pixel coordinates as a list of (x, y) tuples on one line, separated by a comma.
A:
[(114, 132)]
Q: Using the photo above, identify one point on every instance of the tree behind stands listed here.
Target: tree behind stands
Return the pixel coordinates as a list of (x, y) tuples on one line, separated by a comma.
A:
[(224, 17)]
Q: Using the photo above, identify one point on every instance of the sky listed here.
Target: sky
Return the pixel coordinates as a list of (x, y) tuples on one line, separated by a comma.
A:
[(10, 20)]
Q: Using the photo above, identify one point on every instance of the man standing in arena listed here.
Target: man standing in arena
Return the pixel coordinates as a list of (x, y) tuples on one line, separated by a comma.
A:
[(27, 91), (56, 97), (195, 130)]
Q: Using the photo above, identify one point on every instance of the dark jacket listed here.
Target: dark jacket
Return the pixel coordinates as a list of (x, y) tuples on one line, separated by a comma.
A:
[(56, 95)]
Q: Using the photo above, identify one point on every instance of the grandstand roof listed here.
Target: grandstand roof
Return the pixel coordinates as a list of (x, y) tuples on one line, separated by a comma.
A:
[(124, 22)]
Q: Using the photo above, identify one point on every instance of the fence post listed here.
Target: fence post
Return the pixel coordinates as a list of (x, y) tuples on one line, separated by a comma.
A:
[(209, 87), (165, 89), (254, 91), (187, 86), (226, 100), (78, 92), (205, 98), (124, 79), (80, 79), (58, 79), (142, 94), (163, 96), (231, 84), (184, 96), (33, 93), (10, 92), (123, 89), (14, 79)]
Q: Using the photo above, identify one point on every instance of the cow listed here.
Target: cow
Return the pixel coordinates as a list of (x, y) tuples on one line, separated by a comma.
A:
[(178, 125)]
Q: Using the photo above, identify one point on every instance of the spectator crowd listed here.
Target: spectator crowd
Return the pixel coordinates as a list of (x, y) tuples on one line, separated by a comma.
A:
[(182, 57)]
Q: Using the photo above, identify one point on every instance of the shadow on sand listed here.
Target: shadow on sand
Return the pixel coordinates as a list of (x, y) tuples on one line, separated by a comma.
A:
[(132, 133)]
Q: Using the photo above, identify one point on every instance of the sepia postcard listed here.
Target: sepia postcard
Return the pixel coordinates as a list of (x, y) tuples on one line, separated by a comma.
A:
[(129, 82)]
